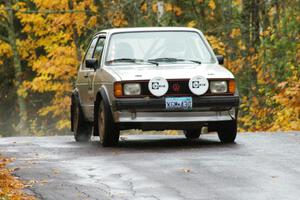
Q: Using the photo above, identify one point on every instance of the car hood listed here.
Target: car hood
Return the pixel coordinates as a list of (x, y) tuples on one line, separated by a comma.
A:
[(173, 71)]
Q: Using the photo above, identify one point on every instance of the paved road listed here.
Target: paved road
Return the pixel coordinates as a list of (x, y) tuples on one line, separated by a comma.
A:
[(146, 167)]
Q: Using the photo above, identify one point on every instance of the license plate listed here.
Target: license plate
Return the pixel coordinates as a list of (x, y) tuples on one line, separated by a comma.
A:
[(179, 103)]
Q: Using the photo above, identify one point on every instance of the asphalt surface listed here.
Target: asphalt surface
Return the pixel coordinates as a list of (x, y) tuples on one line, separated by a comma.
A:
[(146, 167)]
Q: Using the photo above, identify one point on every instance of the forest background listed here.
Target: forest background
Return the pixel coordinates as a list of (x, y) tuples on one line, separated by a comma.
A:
[(42, 43)]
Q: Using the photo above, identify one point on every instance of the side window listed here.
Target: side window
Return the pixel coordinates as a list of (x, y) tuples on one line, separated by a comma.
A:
[(90, 51), (99, 49)]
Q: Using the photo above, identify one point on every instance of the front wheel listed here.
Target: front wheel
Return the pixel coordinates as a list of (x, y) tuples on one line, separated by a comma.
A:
[(108, 131), (192, 134), (227, 131)]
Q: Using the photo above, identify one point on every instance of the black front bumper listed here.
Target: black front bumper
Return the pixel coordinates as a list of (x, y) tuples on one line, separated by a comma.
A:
[(211, 102)]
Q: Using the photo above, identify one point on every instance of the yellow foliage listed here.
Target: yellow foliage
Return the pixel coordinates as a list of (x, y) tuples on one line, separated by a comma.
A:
[(237, 2), (192, 24), (278, 109), (212, 4), (216, 44), (119, 20), (154, 7), (144, 7), (172, 8), (10, 187), (289, 98), (5, 49), (63, 124), (235, 65), (2, 12), (92, 21), (235, 33), (177, 11), (22, 91), (272, 11), (241, 45), (168, 7)]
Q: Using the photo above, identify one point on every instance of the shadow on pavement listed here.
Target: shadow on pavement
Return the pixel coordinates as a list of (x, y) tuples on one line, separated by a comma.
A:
[(166, 143)]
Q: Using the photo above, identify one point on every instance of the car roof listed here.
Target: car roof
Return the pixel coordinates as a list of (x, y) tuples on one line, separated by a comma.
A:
[(138, 29)]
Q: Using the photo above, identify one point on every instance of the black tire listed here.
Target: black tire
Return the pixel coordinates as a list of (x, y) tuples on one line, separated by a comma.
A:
[(108, 131), (192, 134), (227, 131), (81, 128)]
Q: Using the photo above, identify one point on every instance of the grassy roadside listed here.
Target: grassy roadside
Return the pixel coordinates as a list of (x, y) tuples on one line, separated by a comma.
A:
[(11, 188)]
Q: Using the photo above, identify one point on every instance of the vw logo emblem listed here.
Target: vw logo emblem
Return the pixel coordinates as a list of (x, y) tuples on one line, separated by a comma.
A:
[(176, 87)]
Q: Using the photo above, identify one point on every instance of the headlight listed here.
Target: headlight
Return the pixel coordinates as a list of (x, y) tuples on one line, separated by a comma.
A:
[(132, 89), (218, 86)]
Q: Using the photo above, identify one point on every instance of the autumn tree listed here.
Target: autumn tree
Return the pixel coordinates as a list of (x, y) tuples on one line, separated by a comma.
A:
[(55, 31)]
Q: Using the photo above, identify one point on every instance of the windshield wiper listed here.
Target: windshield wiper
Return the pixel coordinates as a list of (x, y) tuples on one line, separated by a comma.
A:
[(172, 60), (131, 60), (194, 61), (165, 60)]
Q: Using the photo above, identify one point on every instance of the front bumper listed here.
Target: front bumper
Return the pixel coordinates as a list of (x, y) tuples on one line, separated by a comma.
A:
[(150, 114), (199, 103)]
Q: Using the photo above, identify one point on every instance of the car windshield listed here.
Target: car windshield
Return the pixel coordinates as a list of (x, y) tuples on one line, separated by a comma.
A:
[(157, 47)]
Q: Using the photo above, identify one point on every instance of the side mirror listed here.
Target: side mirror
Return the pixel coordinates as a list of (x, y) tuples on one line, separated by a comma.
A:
[(220, 59), (91, 63)]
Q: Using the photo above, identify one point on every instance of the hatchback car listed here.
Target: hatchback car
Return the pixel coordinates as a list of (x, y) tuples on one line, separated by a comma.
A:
[(153, 79)]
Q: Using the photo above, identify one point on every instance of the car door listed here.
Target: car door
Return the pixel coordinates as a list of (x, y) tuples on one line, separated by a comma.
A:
[(84, 82)]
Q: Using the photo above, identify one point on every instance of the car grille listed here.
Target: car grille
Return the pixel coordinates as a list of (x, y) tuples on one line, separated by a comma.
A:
[(176, 88)]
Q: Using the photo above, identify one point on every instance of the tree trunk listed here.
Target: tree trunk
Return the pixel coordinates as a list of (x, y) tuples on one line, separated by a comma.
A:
[(75, 34), (265, 17), (22, 127), (277, 14), (246, 21), (255, 23), (251, 28)]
